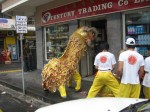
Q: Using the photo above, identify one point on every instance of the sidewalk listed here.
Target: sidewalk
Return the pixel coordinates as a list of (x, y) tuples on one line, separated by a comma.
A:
[(33, 81)]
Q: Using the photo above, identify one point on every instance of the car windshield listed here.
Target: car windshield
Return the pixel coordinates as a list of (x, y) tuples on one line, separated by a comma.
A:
[(143, 106)]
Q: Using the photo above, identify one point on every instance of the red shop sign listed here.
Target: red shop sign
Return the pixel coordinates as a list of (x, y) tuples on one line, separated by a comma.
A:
[(86, 8)]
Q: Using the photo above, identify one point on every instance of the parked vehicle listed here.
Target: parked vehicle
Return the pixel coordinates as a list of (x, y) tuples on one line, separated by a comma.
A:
[(101, 104)]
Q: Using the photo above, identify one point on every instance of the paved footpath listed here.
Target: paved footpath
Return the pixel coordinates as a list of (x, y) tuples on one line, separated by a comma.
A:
[(13, 101), (11, 76)]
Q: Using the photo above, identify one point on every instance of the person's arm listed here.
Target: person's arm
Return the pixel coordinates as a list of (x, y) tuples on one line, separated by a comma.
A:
[(120, 69), (96, 63), (141, 71), (113, 67), (96, 67), (113, 62)]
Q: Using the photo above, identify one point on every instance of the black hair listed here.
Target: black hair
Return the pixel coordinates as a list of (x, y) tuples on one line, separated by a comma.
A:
[(148, 47), (130, 46), (104, 46)]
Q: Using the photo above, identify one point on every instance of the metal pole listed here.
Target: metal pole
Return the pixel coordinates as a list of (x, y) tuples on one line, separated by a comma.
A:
[(22, 62)]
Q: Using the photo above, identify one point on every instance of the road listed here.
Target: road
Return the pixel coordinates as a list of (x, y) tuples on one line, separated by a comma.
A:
[(13, 101), (8, 103)]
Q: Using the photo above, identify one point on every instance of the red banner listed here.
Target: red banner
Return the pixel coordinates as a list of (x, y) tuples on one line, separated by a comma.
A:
[(86, 8)]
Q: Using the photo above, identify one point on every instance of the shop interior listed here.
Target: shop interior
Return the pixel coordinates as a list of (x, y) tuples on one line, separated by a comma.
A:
[(100, 25), (8, 41)]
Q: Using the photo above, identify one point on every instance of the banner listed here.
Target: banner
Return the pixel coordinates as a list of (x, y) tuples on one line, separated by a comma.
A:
[(7, 23), (86, 8)]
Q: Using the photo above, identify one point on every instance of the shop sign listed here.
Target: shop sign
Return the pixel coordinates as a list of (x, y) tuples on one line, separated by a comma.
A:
[(21, 24), (86, 8), (7, 23)]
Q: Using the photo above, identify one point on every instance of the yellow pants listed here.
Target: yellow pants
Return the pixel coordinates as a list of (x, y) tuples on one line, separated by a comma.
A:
[(62, 91), (101, 79), (146, 92), (77, 78), (129, 90)]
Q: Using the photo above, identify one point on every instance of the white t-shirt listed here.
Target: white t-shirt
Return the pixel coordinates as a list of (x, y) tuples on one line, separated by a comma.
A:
[(132, 61), (104, 61), (146, 80)]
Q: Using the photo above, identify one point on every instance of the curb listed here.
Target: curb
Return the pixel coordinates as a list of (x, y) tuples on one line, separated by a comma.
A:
[(45, 96), (29, 92), (42, 95)]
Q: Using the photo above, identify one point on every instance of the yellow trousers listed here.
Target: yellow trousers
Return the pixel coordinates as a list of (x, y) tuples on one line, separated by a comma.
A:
[(77, 78), (146, 92), (62, 91), (101, 79), (129, 90)]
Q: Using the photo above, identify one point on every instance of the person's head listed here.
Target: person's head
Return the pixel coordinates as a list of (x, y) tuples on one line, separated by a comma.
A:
[(130, 43), (148, 48), (104, 46)]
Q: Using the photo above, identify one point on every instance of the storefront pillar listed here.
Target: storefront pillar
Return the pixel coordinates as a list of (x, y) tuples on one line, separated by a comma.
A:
[(39, 45), (114, 32)]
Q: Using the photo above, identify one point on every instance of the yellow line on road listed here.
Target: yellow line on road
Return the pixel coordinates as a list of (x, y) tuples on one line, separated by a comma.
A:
[(8, 71)]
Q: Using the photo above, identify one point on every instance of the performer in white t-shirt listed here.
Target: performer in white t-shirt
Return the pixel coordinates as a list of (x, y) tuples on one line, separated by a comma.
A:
[(131, 66), (146, 80), (104, 62)]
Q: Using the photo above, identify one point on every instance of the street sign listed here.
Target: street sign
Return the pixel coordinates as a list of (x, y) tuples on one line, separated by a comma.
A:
[(21, 27), (21, 24)]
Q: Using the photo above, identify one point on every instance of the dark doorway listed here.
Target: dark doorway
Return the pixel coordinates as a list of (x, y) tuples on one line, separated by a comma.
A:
[(1, 44), (101, 26), (102, 34), (1, 48)]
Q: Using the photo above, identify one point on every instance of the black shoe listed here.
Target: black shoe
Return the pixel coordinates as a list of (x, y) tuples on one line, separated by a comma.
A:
[(46, 90), (78, 90), (70, 87)]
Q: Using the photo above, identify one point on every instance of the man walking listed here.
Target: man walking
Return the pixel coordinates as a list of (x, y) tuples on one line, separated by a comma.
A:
[(131, 67)]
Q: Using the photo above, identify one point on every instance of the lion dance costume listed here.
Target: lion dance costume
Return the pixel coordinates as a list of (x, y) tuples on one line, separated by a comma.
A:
[(58, 71)]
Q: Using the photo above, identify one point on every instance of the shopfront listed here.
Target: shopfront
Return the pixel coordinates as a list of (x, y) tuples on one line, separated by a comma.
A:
[(8, 38), (109, 17)]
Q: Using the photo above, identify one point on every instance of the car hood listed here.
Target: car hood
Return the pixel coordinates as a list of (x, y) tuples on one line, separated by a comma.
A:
[(101, 104)]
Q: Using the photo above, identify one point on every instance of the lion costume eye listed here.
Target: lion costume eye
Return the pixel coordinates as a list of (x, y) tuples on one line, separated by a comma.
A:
[(93, 34)]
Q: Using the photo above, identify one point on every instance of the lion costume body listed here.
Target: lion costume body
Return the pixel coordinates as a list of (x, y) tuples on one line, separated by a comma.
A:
[(58, 71)]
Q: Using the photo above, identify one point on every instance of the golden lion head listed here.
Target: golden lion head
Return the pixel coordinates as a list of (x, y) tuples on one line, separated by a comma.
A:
[(88, 33)]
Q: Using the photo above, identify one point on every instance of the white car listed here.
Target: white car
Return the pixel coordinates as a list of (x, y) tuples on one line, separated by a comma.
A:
[(100, 104)]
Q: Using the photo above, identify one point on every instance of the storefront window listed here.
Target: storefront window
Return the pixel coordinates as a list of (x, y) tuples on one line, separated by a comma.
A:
[(56, 40), (138, 27)]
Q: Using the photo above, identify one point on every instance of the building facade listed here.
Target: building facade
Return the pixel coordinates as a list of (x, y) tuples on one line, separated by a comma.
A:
[(115, 21)]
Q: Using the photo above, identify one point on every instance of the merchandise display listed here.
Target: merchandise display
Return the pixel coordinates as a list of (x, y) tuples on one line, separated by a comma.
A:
[(138, 27), (56, 39)]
